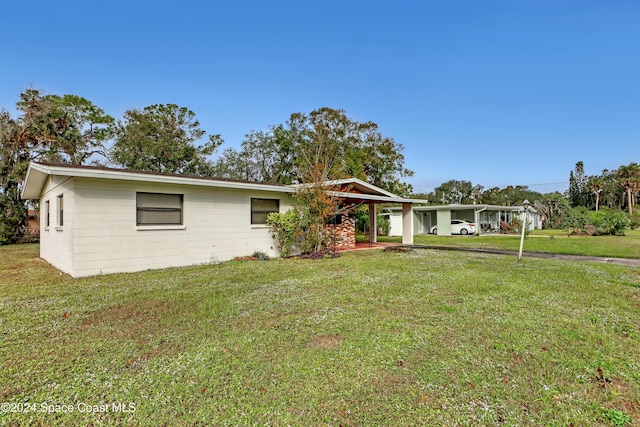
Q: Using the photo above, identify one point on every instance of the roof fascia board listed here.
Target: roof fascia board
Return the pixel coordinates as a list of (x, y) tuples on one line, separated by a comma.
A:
[(463, 207), (34, 182), (362, 183), (161, 179), (372, 198)]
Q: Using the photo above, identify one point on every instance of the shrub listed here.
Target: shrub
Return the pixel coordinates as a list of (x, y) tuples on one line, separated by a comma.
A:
[(260, 256), (608, 221), (514, 227), (284, 228), (576, 217), (635, 220), (383, 225)]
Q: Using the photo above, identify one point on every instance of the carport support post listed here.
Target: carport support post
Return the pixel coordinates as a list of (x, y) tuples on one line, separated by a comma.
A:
[(373, 224), (477, 215), (407, 224)]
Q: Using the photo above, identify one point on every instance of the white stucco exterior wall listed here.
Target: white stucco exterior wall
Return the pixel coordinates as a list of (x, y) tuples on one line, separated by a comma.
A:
[(395, 223), (444, 222), (56, 241), (102, 237)]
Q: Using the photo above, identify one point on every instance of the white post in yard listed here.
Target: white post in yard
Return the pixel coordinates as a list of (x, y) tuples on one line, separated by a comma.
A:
[(407, 224), (523, 225)]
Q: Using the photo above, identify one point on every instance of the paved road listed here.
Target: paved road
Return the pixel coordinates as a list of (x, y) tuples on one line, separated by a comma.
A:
[(632, 262)]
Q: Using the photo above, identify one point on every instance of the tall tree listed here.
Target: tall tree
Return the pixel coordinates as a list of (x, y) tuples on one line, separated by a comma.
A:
[(455, 191), (263, 157), (552, 207), (65, 128), (577, 193), (509, 195), (594, 186), (629, 179), (476, 193), (612, 194), (318, 162), (494, 196), (162, 138), (13, 164), (361, 151)]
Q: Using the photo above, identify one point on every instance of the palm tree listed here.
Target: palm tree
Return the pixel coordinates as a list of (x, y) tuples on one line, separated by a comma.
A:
[(629, 179), (595, 184)]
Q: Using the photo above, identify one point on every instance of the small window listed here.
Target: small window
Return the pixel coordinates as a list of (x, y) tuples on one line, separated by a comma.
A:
[(260, 208), (47, 213), (335, 220), (158, 209), (60, 210)]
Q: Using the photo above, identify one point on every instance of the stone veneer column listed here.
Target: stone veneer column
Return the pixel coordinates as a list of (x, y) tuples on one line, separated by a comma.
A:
[(343, 236)]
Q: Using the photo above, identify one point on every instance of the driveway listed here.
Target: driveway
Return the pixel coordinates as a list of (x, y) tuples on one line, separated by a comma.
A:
[(631, 262)]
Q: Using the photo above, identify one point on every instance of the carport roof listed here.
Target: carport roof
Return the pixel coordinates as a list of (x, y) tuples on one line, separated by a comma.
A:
[(460, 207)]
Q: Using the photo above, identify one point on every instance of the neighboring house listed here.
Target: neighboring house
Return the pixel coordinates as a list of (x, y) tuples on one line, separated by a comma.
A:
[(33, 226), (486, 217), (97, 220)]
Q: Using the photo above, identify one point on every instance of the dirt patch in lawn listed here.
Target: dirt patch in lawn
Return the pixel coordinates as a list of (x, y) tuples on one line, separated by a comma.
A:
[(326, 342)]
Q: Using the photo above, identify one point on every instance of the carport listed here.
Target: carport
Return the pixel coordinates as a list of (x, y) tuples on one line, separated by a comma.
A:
[(486, 217), (354, 192)]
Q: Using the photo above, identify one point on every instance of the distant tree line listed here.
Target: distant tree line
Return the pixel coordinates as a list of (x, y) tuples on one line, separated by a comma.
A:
[(324, 144), (614, 191)]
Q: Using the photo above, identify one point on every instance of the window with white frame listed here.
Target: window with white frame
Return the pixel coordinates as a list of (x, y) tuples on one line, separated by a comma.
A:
[(60, 210), (261, 208), (158, 209), (47, 213)]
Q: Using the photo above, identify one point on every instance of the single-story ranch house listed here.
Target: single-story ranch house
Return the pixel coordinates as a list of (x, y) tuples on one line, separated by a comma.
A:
[(486, 217), (97, 220)]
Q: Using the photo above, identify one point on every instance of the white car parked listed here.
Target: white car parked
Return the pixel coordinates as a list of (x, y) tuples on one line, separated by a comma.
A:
[(458, 226)]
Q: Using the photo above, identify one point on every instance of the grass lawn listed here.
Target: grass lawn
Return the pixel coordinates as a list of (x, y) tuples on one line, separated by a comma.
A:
[(549, 241), (370, 338)]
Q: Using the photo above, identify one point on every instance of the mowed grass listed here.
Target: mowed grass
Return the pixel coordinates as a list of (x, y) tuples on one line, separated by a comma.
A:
[(548, 241), (371, 338)]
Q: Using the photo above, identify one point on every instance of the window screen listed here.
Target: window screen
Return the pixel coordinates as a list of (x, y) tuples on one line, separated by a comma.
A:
[(158, 209), (260, 208), (47, 213), (335, 220), (61, 210)]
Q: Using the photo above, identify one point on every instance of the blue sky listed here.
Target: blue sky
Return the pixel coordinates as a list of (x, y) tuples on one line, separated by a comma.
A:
[(495, 92)]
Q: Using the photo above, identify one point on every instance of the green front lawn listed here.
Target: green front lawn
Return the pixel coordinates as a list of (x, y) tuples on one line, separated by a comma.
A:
[(370, 338), (549, 241)]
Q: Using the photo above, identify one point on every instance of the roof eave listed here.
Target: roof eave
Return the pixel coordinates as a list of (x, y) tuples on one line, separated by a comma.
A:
[(34, 181), (162, 179), (372, 198)]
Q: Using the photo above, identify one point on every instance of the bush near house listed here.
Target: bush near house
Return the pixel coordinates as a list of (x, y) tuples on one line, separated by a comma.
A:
[(284, 230)]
